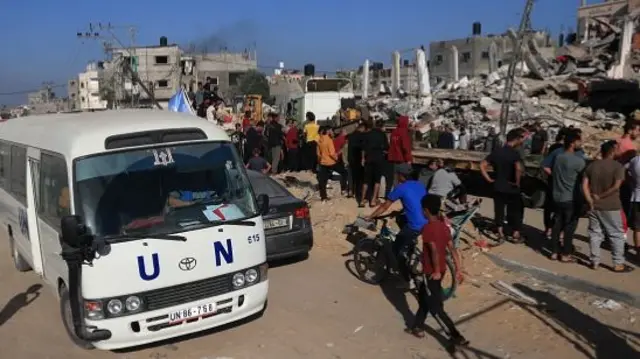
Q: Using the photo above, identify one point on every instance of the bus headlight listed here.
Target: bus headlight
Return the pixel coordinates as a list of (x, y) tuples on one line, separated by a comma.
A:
[(238, 280), (114, 307), (251, 276), (133, 303)]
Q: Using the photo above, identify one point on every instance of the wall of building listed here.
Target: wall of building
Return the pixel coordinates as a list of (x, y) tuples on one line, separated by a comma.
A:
[(158, 67), (225, 68), (89, 91), (73, 91), (604, 10)]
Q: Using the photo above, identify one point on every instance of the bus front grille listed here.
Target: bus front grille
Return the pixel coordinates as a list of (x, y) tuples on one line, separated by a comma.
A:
[(188, 292)]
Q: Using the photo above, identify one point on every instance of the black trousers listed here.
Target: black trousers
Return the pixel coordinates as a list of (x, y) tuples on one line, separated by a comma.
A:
[(310, 157), (512, 202), (549, 208), (292, 159), (324, 173), (431, 301), (389, 177), (566, 218), (403, 245), (357, 179)]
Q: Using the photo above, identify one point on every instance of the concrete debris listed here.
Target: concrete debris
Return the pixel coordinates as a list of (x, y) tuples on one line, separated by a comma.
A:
[(607, 304)]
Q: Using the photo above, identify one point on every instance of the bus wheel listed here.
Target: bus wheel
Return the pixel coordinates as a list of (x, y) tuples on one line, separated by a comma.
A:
[(18, 260), (67, 320)]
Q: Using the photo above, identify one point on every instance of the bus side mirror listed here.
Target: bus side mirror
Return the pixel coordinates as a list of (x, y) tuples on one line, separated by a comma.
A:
[(73, 231), (263, 203)]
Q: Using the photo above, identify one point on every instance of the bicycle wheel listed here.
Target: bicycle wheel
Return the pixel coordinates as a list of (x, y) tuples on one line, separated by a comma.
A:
[(449, 283), (370, 261)]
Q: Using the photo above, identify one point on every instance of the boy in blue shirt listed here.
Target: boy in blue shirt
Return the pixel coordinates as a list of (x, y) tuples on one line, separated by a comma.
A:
[(410, 192)]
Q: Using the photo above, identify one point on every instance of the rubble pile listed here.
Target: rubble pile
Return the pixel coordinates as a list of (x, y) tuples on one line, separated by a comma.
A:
[(590, 83)]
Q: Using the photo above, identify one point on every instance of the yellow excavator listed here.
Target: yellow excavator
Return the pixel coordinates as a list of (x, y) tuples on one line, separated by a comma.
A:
[(253, 103)]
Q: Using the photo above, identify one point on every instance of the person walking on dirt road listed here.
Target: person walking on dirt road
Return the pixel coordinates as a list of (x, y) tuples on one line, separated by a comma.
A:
[(436, 239)]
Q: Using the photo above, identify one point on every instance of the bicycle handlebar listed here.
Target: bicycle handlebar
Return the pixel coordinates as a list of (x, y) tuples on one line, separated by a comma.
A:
[(388, 215)]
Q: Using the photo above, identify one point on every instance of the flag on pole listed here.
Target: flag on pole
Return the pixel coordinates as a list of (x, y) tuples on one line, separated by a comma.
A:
[(180, 103)]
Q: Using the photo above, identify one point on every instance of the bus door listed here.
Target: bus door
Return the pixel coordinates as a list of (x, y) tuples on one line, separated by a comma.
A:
[(33, 199)]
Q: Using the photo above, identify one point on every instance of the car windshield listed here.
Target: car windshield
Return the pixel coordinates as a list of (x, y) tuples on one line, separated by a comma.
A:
[(163, 190)]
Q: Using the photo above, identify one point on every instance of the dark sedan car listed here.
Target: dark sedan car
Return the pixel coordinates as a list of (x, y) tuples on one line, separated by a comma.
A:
[(287, 226)]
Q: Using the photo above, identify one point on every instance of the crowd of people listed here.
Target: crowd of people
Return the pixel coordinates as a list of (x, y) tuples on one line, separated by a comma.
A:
[(361, 158), (604, 190)]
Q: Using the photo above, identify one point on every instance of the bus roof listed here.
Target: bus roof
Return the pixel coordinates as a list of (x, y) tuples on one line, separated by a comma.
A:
[(84, 133)]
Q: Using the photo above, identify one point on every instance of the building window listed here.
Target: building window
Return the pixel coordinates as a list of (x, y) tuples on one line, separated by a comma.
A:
[(485, 54), (437, 60), (163, 83), (19, 173), (162, 60), (83, 99), (466, 56), (82, 85), (72, 83), (55, 202)]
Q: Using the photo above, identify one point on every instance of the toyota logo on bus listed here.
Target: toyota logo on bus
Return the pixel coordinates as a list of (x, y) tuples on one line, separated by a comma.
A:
[(187, 264)]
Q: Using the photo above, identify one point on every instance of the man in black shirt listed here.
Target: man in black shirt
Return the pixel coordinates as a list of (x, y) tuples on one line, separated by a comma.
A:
[(539, 140), (275, 138), (375, 145), (356, 171), (446, 139), (507, 168)]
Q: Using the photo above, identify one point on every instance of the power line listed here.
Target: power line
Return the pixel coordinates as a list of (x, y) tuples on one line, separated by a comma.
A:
[(24, 92)]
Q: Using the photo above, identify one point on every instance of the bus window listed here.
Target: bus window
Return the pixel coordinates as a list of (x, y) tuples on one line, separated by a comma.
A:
[(5, 162), (54, 190), (19, 173)]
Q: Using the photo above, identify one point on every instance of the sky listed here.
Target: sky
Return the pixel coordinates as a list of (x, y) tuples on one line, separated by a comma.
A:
[(39, 41)]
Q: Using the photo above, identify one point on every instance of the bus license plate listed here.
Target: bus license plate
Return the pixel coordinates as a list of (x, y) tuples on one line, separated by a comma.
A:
[(193, 312), (276, 223)]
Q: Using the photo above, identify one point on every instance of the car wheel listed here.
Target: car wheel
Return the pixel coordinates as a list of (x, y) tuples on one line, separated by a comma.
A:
[(67, 320), (18, 260)]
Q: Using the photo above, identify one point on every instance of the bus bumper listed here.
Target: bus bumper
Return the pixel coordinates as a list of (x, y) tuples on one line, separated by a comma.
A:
[(153, 326)]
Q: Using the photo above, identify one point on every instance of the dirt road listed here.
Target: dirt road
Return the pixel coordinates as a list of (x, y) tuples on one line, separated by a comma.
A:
[(317, 309)]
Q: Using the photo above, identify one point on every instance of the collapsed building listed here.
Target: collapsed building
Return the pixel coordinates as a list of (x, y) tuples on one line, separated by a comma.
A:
[(589, 80)]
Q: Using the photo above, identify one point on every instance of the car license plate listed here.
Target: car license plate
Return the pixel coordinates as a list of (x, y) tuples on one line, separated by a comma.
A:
[(193, 312), (275, 223)]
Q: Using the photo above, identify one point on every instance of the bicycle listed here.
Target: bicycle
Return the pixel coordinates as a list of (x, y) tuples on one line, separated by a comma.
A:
[(375, 254)]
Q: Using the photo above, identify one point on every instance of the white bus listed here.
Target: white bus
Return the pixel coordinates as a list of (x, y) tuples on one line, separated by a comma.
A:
[(143, 222)]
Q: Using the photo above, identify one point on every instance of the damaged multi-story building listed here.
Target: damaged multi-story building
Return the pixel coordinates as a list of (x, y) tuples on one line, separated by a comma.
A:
[(163, 69), (477, 54)]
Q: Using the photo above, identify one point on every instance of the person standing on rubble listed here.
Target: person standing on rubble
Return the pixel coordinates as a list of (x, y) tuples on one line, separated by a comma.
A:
[(539, 140), (567, 169), (433, 135), (291, 143), (275, 139), (375, 144), (626, 150), (328, 160), (464, 139), (399, 149), (601, 188), (492, 141), (446, 139), (508, 169), (312, 134), (354, 154)]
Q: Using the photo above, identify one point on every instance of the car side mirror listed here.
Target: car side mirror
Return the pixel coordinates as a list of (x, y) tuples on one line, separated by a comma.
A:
[(263, 203), (73, 231)]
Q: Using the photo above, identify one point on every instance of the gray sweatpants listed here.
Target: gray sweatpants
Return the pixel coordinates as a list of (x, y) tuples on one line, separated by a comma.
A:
[(275, 158), (607, 223)]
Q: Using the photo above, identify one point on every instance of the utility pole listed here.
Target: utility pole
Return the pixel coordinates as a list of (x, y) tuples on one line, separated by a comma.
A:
[(525, 25), (95, 33)]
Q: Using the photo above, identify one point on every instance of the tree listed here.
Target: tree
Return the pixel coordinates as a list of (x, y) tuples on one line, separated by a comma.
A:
[(254, 82)]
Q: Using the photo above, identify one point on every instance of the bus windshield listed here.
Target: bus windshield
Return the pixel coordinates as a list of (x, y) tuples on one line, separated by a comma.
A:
[(162, 190)]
